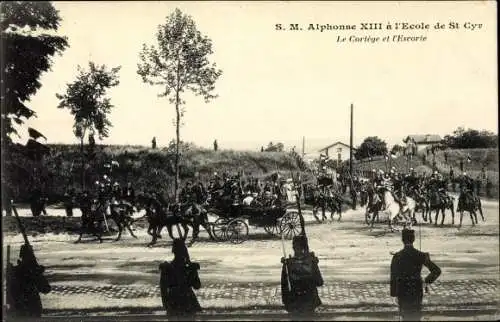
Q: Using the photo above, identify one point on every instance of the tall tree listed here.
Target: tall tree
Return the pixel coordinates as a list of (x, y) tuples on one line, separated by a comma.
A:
[(29, 41), (87, 100), (27, 52), (179, 62), (371, 146), (471, 139)]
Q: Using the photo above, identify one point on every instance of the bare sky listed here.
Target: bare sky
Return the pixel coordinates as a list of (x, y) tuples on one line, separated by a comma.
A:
[(282, 85)]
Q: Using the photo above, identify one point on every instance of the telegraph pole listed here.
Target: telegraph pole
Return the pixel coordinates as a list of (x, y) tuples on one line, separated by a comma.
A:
[(350, 143)]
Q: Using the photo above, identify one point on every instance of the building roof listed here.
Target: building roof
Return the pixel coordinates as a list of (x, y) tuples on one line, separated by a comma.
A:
[(423, 138), (336, 143)]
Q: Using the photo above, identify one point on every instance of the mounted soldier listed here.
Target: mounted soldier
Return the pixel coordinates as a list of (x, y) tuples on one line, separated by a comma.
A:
[(466, 190), (128, 193)]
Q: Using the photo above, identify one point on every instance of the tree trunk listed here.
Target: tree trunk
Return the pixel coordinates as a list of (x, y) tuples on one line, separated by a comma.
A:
[(83, 164), (177, 142)]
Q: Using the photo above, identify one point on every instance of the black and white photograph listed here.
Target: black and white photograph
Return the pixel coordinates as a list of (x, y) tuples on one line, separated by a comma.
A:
[(249, 161)]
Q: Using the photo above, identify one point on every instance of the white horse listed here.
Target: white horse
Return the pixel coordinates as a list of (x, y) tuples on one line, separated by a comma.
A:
[(394, 211)]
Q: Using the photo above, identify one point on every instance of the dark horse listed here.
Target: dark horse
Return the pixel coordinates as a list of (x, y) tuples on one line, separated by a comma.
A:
[(467, 201), (373, 207), (421, 201), (159, 216), (94, 216), (326, 200), (440, 201), (25, 282)]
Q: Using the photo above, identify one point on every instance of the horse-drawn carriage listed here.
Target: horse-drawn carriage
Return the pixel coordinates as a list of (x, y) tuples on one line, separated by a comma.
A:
[(233, 220)]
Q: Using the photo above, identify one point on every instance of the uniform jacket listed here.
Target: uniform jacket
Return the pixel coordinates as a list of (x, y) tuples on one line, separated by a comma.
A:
[(177, 281), (406, 268), (307, 299)]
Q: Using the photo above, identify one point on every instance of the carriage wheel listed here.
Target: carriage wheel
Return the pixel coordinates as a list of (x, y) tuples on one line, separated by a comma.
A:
[(219, 228), (237, 231), (290, 225), (273, 229)]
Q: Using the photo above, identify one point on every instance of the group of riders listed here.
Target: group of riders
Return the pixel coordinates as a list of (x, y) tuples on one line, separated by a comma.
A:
[(108, 199), (425, 190), (225, 191)]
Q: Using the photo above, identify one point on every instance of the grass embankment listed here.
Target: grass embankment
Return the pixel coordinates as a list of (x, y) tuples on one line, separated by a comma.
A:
[(148, 168), (487, 158)]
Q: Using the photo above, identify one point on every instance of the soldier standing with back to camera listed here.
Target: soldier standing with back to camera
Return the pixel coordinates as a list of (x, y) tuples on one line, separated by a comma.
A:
[(406, 280), (300, 279)]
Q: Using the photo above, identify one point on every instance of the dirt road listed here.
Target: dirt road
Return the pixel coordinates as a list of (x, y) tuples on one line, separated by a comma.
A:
[(354, 261)]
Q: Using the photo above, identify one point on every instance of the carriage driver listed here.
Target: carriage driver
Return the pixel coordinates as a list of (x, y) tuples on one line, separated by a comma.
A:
[(188, 196)]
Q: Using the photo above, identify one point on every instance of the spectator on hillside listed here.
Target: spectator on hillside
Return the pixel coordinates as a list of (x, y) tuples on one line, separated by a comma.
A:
[(153, 142), (461, 165), (446, 157), (216, 146), (451, 173)]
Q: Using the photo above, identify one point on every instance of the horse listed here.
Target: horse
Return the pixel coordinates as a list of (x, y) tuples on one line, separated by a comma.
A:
[(37, 206), (120, 214), (326, 200), (439, 202), (394, 210), (363, 196), (421, 202), (160, 216), (468, 202), (94, 215)]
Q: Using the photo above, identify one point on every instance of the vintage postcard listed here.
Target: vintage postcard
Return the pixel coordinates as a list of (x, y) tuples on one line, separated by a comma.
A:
[(241, 160)]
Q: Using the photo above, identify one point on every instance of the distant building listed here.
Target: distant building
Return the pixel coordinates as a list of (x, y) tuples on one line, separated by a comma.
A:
[(421, 142), (337, 151)]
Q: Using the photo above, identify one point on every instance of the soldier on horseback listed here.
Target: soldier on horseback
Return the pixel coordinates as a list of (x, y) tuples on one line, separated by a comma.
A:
[(128, 193), (466, 190)]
